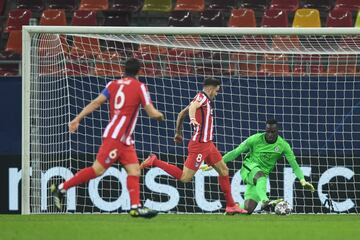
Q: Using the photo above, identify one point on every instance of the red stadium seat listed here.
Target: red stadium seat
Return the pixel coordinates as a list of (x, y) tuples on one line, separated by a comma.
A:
[(2, 6), (178, 70), (69, 5), (275, 65), (73, 69), (244, 64), (127, 5), (8, 70), (14, 42), (222, 4), (94, 5), (352, 5), (289, 5), (85, 47), (339, 18), (242, 17), (84, 18), (275, 18), (53, 17), (190, 5), (17, 18), (342, 65), (286, 43), (108, 69)]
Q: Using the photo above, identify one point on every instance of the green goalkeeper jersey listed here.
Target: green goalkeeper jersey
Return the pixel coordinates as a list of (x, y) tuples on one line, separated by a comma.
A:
[(264, 155)]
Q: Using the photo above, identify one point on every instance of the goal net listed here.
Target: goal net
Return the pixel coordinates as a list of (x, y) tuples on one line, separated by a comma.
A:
[(307, 79)]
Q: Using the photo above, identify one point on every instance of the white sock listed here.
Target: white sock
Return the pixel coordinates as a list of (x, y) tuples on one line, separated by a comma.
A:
[(60, 187)]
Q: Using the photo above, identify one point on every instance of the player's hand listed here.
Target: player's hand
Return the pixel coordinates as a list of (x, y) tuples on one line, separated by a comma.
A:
[(73, 125), (307, 185), (193, 122), (178, 138), (206, 167)]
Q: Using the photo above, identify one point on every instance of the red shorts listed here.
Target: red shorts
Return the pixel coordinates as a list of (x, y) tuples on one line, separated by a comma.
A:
[(112, 150), (199, 152)]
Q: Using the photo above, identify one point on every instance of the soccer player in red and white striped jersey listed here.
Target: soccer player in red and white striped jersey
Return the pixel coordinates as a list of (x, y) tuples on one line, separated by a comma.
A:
[(201, 147), (125, 97)]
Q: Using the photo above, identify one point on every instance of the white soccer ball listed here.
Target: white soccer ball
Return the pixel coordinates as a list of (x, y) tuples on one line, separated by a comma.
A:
[(282, 208)]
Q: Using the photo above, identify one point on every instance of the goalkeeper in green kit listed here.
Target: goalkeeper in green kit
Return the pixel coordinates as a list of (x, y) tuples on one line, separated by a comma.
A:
[(263, 150)]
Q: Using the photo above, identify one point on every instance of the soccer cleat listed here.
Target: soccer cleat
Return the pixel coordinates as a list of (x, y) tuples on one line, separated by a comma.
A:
[(149, 161), (235, 210), (58, 196), (143, 212), (270, 205)]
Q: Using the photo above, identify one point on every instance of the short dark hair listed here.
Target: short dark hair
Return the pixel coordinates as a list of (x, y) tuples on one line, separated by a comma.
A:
[(212, 82), (132, 67), (271, 121)]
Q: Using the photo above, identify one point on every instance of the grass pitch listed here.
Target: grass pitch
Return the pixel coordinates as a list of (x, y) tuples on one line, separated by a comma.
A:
[(179, 226)]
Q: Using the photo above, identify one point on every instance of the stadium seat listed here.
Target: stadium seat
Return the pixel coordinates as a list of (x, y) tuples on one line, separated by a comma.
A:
[(17, 18), (244, 64), (7, 70), (211, 18), (289, 5), (275, 18), (94, 5), (73, 69), (108, 69), (180, 19), (275, 65), (257, 5), (321, 5), (306, 17), (127, 5), (242, 17), (222, 4), (341, 65), (352, 5), (53, 17), (34, 5), (190, 5), (2, 6), (116, 18), (14, 42), (157, 6), (69, 5), (286, 43), (339, 18), (84, 18), (357, 22), (178, 70), (84, 47)]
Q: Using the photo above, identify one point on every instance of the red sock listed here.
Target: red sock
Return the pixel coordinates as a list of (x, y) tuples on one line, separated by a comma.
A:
[(81, 176), (169, 168), (224, 182), (133, 187)]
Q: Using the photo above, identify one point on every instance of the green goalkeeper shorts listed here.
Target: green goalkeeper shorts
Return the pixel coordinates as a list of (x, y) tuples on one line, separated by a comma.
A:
[(247, 173)]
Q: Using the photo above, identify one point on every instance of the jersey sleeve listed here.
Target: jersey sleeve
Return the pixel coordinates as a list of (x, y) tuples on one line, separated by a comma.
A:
[(144, 95), (245, 146), (106, 91), (290, 156), (201, 98)]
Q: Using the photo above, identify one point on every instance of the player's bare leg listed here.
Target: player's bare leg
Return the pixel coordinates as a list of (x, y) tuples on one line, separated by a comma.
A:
[(224, 182), (153, 161)]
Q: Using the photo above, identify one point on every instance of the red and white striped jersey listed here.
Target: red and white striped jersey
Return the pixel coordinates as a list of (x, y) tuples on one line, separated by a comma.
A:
[(125, 96), (204, 116)]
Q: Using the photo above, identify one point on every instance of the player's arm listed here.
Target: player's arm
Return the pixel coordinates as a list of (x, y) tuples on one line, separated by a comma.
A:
[(179, 124), (235, 153), (194, 105), (92, 106), (152, 112), (290, 156)]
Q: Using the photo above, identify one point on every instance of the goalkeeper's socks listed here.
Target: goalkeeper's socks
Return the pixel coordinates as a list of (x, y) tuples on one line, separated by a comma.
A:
[(169, 168), (133, 187), (261, 189), (224, 183), (84, 175)]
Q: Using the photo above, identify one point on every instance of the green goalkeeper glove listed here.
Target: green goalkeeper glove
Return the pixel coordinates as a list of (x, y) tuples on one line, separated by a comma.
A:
[(307, 185), (206, 167)]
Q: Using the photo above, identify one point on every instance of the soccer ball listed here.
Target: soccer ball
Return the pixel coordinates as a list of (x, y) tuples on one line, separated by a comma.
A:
[(282, 208)]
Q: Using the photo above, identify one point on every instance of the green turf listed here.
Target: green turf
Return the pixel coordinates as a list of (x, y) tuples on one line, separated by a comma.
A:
[(172, 226)]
